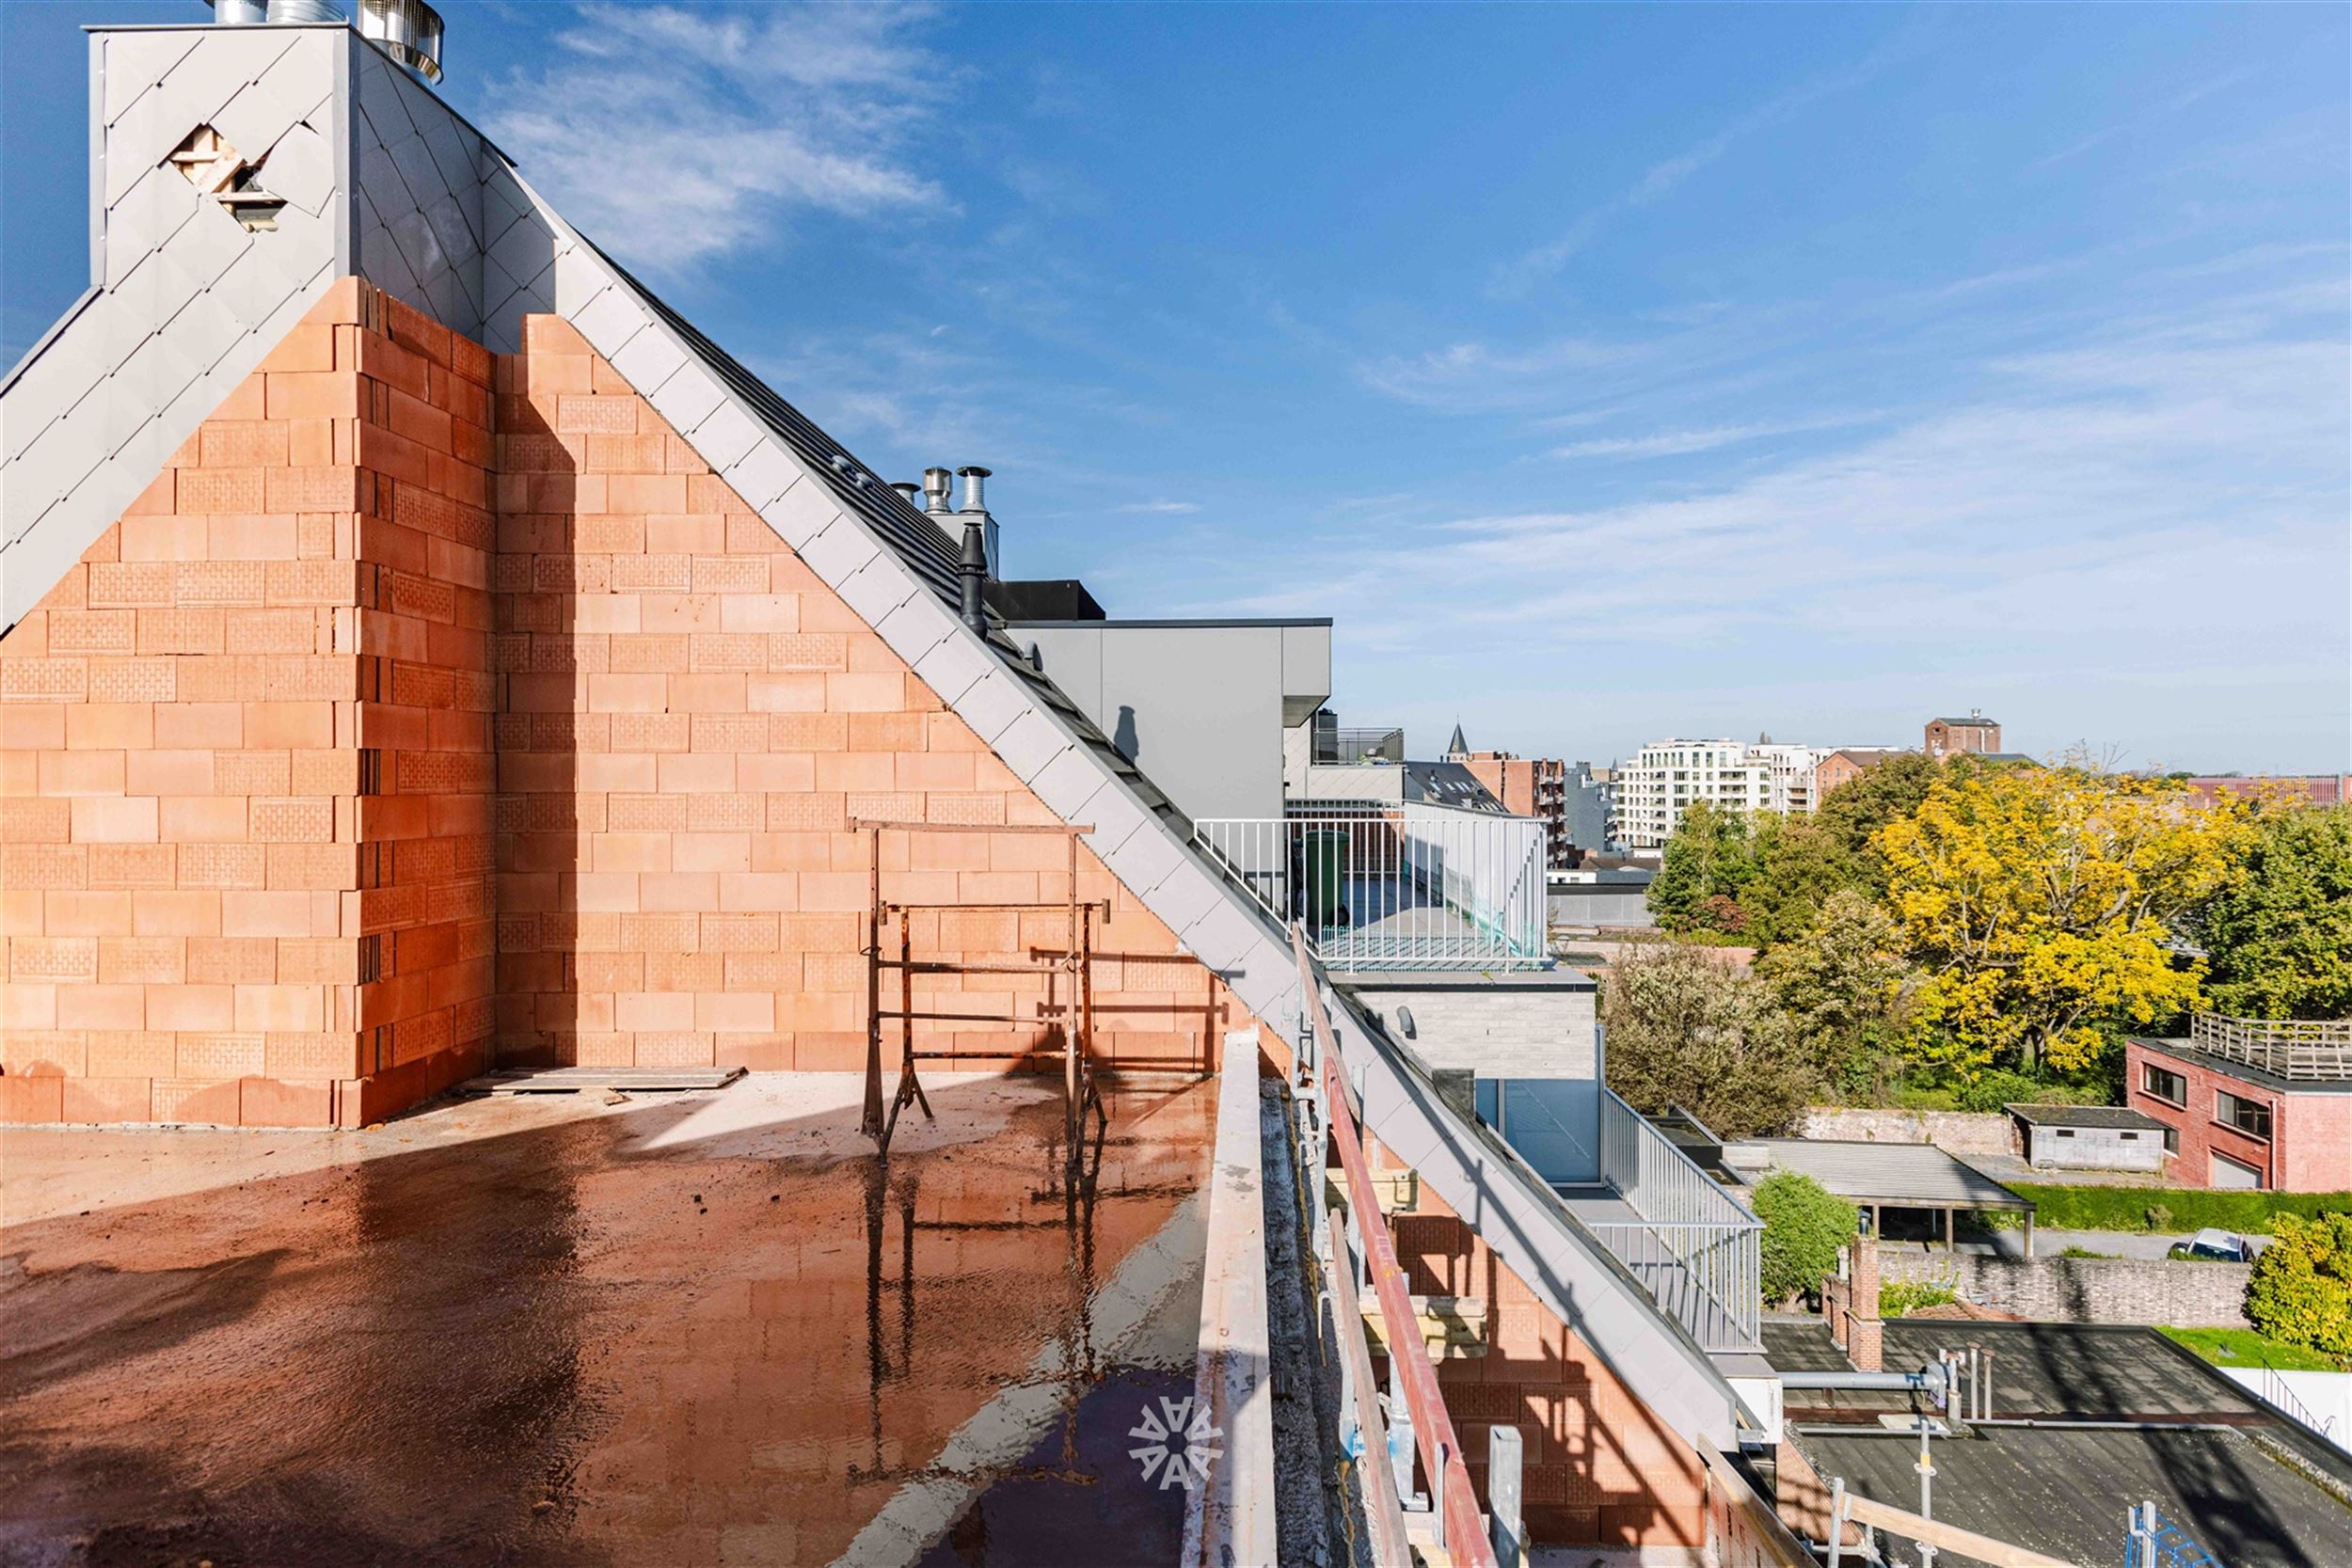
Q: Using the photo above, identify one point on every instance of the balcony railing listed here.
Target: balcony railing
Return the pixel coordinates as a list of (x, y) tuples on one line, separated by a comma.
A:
[(1411, 886), (1375, 748), (1696, 1248), (2291, 1048)]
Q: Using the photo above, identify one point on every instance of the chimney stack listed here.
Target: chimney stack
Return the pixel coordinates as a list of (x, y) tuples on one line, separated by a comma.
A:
[(975, 513), (936, 484)]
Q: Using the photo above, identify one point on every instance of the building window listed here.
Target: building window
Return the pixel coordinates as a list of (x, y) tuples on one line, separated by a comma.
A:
[(2129, 1137), (2248, 1116), (2165, 1084), (2172, 1140), (2065, 1132)]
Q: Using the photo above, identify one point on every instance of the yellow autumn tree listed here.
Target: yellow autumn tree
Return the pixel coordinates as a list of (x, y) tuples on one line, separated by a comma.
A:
[(2041, 903)]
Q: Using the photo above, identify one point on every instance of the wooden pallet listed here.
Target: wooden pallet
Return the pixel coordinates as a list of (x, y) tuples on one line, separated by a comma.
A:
[(629, 1080)]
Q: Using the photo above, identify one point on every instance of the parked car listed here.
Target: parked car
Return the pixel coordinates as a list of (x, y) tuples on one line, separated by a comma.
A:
[(2210, 1245)]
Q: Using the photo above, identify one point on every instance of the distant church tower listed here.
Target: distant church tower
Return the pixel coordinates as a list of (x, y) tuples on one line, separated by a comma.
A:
[(1457, 748)]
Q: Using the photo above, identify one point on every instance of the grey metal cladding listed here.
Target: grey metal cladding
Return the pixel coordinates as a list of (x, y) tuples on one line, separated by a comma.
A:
[(186, 300), (418, 178)]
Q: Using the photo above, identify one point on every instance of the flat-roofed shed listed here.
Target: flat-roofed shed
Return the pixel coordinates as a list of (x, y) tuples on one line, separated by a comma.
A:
[(1879, 1175)]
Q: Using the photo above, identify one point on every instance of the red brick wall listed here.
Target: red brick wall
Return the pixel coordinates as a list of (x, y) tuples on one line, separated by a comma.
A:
[(691, 720), (2309, 1148), (1602, 1469), (369, 741)]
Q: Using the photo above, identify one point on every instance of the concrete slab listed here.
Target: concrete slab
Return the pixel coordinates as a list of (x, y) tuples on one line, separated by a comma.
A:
[(703, 1327)]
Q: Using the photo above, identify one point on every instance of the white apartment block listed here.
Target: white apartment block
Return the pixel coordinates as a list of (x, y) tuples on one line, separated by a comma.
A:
[(1666, 776)]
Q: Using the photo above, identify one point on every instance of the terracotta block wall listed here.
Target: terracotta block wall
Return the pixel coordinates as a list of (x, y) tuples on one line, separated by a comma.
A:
[(690, 720), (426, 924), (178, 721), (430, 710), (1600, 1469)]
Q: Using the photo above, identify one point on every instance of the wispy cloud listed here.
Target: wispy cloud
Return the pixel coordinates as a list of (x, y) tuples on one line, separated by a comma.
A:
[(1661, 178), (1157, 509), (2173, 485), (677, 135), (1678, 443)]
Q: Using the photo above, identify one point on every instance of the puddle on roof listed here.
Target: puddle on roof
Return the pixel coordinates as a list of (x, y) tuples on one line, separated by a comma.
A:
[(590, 1339)]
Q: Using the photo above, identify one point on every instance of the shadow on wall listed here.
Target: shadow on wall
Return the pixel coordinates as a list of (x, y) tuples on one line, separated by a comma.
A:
[(1123, 735)]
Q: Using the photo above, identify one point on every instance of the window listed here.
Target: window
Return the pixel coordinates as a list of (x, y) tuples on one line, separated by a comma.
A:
[(2065, 1132), (2172, 1140), (2248, 1116), (2129, 1137), (2165, 1084)]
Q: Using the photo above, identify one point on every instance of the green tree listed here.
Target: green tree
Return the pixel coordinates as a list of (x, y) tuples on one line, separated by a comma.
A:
[(2279, 938), (1847, 992), (2042, 903), (1710, 857), (1800, 863), (1804, 1225), (1684, 1027), (2300, 1290)]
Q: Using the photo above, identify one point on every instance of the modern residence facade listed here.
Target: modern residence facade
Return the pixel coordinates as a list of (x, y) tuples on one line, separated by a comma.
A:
[(425, 650), (1667, 777), (2249, 1102)]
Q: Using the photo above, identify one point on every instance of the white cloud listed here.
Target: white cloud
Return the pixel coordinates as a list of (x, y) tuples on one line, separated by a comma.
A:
[(1158, 508), (673, 135), (1678, 443), (2167, 495)]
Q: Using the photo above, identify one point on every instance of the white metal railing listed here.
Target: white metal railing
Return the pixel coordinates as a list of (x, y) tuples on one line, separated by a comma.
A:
[(2291, 1048), (1395, 886), (1686, 1215), (1706, 1277)]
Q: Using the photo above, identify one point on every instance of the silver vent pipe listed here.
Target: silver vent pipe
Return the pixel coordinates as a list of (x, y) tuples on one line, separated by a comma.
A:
[(408, 30), (972, 476), (937, 482)]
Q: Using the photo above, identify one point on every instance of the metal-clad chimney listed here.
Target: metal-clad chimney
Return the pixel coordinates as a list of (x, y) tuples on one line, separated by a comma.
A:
[(974, 509), (937, 482)]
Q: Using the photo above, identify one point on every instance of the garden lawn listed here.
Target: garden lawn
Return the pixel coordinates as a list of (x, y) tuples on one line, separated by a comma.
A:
[(2243, 1347)]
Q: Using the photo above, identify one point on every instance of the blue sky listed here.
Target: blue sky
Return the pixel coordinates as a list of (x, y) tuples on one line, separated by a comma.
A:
[(1607, 372)]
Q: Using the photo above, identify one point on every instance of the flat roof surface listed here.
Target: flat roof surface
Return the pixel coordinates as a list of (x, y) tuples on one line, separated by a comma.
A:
[(1897, 1175), (2086, 1115), (2065, 1490), (2067, 1493), (2230, 1066)]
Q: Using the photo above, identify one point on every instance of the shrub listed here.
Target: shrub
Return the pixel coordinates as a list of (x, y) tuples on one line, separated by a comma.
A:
[(2084, 1252), (2301, 1289), (2173, 1209), (1900, 1298), (1992, 1090), (1804, 1225)]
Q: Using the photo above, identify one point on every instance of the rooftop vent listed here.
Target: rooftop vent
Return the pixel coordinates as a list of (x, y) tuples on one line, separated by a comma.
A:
[(408, 30), (937, 482)]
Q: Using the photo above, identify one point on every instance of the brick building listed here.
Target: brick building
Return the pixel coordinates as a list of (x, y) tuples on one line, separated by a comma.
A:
[(1947, 737), (2249, 1102), (1528, 786)]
